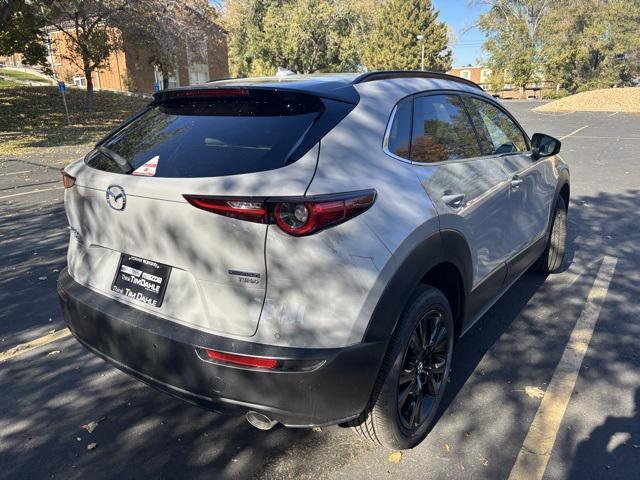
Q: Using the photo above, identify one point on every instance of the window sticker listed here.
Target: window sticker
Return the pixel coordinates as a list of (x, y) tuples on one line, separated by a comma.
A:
[(147, 169)]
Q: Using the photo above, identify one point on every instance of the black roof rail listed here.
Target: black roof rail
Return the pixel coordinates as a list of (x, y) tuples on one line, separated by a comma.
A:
[(389, 74)]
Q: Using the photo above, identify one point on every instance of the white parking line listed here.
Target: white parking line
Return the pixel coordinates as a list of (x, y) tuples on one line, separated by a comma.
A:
[(15, 173), (534, 455), (606, 138), (614, 113), (574, 132), (31, 191), (33, 344), (553, 114)]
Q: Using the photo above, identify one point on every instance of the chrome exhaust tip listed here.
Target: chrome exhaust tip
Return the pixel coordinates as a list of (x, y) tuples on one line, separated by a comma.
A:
[(260, 420)]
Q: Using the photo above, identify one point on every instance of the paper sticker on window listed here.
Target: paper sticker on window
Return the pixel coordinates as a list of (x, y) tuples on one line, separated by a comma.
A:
[(147, 169)]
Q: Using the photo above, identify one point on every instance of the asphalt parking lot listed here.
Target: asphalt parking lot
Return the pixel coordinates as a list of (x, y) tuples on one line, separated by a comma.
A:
[(550, 375)]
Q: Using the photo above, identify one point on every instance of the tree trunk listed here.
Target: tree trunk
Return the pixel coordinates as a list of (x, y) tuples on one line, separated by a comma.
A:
[(165, 80), (522, 92), (89, 105)]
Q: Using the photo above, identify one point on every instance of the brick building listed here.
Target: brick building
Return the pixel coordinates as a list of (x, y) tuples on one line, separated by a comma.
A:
[(128, 69), (482, 75)]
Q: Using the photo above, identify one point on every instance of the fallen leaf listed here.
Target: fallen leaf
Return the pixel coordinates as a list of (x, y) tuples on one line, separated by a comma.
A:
[(316, 429), (394, 457), (42, 278), (534, 392), (446, 447), (90, 427), (92, 446), (484, 461)]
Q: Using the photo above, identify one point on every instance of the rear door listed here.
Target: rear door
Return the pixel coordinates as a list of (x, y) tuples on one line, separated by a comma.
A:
[(136, 239), (469, 190)]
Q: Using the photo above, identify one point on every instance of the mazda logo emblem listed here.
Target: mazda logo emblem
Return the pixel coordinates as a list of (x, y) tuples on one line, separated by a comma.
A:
[(116, 198)]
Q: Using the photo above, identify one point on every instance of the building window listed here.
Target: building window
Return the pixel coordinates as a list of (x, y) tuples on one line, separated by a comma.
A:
[(485, 73), (466, 74), (79, 81)]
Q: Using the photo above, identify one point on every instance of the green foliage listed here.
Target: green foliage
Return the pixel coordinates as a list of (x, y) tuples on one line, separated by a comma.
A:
[(393, 44), (332, 35), (21, 31), (513, 30), (593, 44), (556, 94), (579, 44), (304, 36)]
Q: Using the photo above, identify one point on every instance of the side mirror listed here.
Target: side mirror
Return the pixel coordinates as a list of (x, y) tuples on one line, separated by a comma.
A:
[(544, 146)]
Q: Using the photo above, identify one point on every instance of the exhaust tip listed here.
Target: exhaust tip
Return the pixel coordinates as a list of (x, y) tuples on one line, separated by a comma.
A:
[(260, 420)]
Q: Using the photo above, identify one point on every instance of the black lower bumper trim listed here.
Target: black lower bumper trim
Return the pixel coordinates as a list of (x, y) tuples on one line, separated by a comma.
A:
[(162, 353)]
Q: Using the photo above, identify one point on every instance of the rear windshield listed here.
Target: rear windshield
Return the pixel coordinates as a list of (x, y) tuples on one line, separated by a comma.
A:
[(233, 132)]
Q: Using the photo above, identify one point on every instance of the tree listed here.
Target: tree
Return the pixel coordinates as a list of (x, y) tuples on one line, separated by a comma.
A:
[(593, 43), (514, 45), (85, 25), (393, 43), (21, 31), (302, 35), (164, 28)]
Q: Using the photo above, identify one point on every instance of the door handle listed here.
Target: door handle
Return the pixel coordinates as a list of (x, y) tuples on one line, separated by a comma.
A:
[(454, 200), (516, 181)]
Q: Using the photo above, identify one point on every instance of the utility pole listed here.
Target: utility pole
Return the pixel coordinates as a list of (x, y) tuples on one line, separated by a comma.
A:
[(421, 39)]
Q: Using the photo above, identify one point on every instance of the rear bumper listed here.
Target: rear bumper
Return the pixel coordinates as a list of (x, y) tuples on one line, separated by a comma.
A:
[(163, 354)]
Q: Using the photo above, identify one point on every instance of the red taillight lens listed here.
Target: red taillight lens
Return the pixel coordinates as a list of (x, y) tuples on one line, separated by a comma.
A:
[(296, 216), (242, 209), (242, 360), (314, 216), (67, 180)]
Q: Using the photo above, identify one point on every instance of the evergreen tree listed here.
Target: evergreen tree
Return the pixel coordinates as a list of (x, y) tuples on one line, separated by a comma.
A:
[(394, 44)]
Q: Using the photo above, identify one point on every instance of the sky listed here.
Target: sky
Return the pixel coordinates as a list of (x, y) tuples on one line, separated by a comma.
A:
[(460, 16)]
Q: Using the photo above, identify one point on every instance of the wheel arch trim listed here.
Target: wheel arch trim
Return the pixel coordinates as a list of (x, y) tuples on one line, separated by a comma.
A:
[(413, 259)]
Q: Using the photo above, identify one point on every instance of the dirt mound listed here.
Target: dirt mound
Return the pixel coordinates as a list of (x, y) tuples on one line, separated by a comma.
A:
[(605, 100)]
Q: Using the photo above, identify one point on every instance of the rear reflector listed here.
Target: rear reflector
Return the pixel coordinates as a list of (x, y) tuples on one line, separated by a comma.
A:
[(297, 216), (242, 360), (67, 180)]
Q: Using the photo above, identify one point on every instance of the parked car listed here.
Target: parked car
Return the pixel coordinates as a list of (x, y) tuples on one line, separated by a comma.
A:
[(306, 250)]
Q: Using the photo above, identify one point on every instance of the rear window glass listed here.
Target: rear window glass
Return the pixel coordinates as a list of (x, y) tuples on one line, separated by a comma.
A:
[(208, 136), (400, 133)]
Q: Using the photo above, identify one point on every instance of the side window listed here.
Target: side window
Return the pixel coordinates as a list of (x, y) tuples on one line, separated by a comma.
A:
[(399, 135), (498, 133), (442, 130)]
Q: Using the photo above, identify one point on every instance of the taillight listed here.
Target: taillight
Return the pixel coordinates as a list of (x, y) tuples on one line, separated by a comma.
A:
[(253, 211), (67, 180), (297, 216)]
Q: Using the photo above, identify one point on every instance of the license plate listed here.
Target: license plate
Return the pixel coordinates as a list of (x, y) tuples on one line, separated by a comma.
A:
[(141, 280)]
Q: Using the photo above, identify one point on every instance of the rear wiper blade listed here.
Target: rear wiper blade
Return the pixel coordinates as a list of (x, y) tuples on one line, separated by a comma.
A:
[(122, 162)]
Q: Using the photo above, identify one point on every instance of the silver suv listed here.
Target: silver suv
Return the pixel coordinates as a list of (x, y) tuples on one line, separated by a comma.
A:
[(307, 249)]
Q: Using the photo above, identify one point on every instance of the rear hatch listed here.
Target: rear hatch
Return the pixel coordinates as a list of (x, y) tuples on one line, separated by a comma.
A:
[(136, 239)]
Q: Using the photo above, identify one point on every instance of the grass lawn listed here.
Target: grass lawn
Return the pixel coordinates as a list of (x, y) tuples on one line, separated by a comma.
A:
[(17, 75), (33, 118)]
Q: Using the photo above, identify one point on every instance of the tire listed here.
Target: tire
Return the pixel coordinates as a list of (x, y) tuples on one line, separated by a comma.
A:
[(388, 420), (553, 255)]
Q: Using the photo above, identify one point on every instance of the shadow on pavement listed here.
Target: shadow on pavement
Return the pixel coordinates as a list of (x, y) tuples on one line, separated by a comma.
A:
[(146, 433)]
